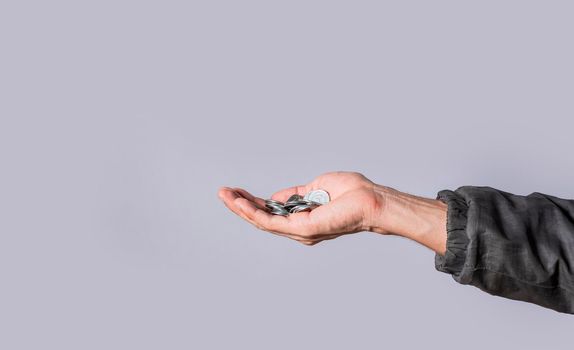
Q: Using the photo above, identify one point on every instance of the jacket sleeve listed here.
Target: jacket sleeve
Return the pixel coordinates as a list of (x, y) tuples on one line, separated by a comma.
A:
[(514, 246)]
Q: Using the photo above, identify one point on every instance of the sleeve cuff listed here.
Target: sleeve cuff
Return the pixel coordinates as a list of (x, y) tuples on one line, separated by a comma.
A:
[(457, 238)]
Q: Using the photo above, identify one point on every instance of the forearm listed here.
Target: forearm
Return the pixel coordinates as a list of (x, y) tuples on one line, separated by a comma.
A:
[(518, 247), (420, 219)]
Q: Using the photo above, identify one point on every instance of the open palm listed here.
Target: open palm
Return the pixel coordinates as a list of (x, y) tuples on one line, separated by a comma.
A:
[(353, 200)]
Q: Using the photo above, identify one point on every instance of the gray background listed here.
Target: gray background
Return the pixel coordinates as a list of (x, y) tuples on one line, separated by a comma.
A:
[(120, 120)]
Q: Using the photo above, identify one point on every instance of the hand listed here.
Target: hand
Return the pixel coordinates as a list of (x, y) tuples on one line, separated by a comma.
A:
[(354, 202)]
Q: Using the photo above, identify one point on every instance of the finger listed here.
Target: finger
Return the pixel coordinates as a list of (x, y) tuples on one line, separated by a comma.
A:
[(260, 204), (259, 201), (292, 225), (230, 199), (296, 226), (261, 217), (264, 221), (228, 196), (284, 194)]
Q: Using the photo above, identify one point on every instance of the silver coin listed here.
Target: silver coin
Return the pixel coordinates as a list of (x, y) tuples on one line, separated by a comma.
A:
[(300, 208), (308, 203), (318, 196), (295, 203), (294, 198), (301, 201), (279, 211)]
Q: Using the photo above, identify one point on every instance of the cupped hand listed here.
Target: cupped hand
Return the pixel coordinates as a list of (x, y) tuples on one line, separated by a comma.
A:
[(354, 201)]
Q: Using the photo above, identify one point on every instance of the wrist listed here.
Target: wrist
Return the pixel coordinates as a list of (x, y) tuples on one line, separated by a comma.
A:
[(417, 218)]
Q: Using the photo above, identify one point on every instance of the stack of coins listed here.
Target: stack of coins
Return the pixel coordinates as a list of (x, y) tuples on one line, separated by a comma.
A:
[(297, 203)]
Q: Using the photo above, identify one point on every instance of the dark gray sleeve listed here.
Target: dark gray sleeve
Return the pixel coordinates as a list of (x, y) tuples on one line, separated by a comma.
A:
[(518, 247)]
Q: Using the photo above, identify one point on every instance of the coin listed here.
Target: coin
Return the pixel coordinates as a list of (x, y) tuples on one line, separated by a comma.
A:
[(275, 208), (294, 198), (280, 212), (297, 203), (273, 202), (318, 196), (300, 208)]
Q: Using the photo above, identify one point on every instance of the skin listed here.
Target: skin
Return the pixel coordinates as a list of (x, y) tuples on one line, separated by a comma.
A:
[(357, 204)]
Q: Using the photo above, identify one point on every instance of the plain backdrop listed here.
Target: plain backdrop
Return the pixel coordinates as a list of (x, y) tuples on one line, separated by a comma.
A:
[(119, 121)]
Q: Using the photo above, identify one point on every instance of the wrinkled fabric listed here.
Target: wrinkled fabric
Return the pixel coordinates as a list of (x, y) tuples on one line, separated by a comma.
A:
[(514, 246)]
